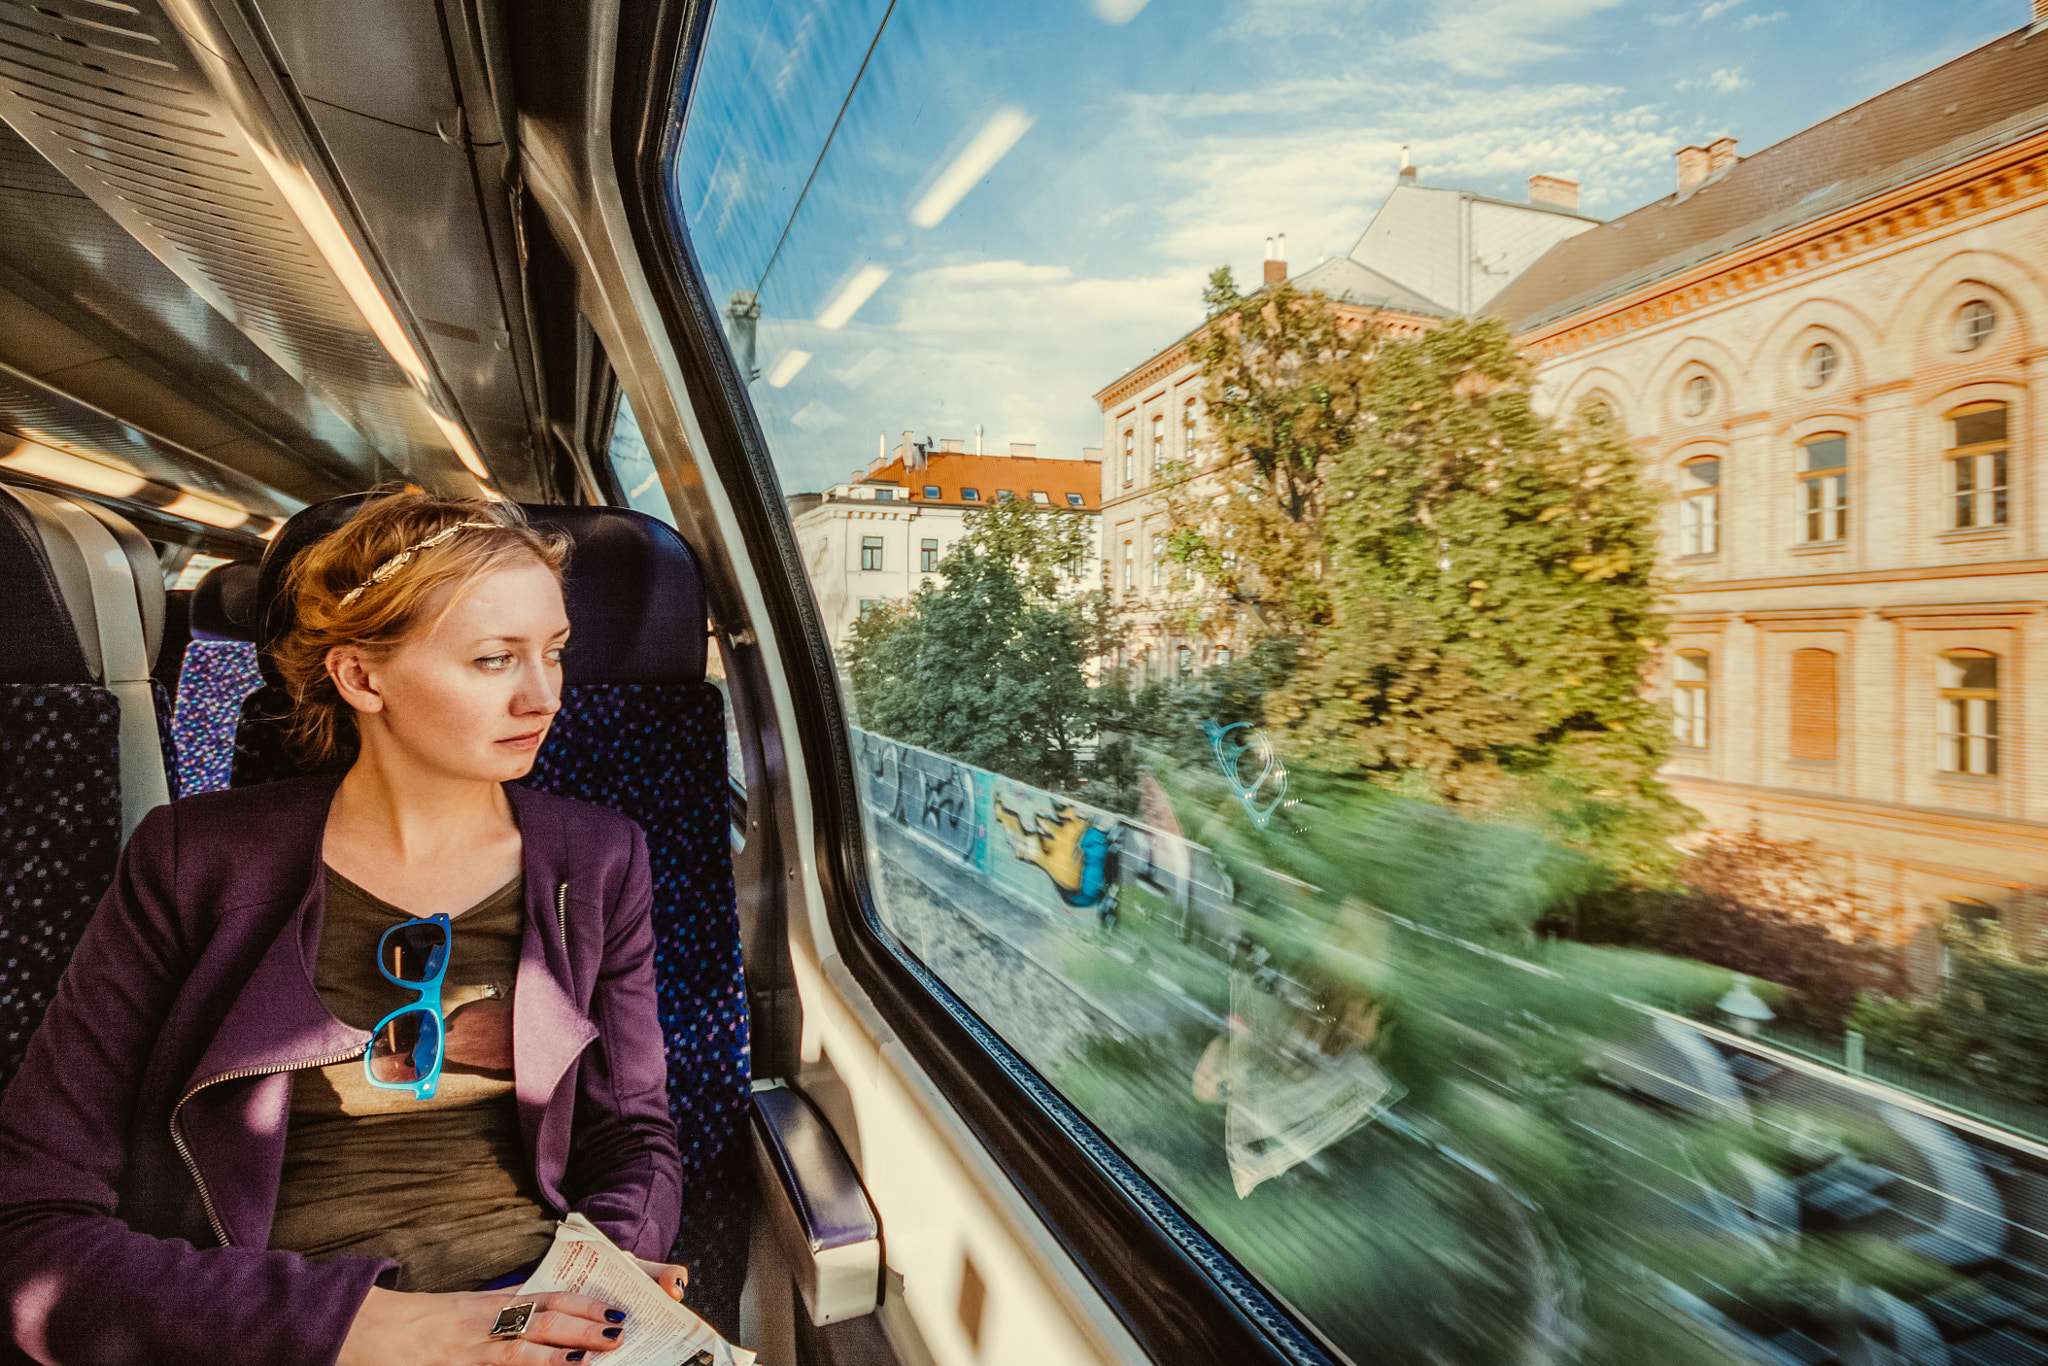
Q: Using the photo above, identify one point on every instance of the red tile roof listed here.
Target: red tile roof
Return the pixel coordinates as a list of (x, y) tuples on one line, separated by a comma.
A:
[(951, 471)]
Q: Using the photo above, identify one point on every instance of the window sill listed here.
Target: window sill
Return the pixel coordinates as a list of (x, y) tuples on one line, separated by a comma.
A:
[(1709, 558), (1976, 780), (1689, 751), (1820, 547), (1814, 765), (1974, 533)]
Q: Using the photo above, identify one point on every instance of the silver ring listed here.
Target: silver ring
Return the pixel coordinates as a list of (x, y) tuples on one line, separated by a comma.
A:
[(512, 1320)]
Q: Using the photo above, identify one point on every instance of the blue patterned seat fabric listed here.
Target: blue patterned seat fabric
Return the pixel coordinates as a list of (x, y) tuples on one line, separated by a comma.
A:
[(217, 677), (160, 700), (656, 752), (60, 833)]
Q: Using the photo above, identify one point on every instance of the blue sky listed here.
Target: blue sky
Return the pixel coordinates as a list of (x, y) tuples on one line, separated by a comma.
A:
[(1130, 147)]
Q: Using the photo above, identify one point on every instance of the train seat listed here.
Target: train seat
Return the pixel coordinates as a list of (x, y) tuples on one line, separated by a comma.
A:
[(81, 756), (219, 672), (641, 731)]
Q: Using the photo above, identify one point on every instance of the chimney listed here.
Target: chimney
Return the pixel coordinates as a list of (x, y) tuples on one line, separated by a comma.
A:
[(1550, 189), (1023, 450), (1095, 452), (1721, 152), (1276, 261), (954, 445), (1692, 167), (1407, 166)]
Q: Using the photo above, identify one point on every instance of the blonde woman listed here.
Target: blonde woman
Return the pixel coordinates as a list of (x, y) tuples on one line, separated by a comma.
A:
[(335, 1053)]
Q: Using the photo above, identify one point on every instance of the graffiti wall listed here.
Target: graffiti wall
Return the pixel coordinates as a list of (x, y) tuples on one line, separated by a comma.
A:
[(1042, 849)]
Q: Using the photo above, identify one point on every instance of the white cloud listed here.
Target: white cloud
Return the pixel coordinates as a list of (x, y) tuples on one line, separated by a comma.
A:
[(1718, 8), (1488, 37), (1759, 20), (1667, 20), (1726, 81)]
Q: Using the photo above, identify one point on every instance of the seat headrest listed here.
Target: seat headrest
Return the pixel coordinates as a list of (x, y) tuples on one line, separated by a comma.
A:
[(224, 603), (38, 638), (634, 593)]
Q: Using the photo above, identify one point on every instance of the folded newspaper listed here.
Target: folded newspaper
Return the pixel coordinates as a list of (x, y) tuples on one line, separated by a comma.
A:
[(659, 1332)]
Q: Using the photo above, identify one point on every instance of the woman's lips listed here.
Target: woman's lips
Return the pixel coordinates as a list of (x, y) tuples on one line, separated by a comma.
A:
[(530, 740)]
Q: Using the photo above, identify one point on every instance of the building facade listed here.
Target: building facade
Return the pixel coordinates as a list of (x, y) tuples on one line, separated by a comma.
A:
[(1832, 353), (1428, 254), (880, 536)]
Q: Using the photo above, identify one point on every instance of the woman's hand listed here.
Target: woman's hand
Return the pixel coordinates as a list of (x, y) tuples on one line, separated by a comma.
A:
[(397, 1329), (670, 1277)]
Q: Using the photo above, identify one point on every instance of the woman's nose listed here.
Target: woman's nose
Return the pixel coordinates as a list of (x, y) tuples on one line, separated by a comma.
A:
[(541, 695)]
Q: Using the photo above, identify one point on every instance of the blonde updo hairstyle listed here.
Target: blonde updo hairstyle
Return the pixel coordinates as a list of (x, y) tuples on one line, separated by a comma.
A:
[(411, 597)]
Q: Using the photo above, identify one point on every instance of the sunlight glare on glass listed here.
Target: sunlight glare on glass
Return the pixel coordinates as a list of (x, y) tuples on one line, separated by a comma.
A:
[(788, 367), (979, 156), (1118, 11), (847, 302)]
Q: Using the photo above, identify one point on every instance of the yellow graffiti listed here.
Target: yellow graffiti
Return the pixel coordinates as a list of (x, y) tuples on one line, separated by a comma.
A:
[(1057, 853)]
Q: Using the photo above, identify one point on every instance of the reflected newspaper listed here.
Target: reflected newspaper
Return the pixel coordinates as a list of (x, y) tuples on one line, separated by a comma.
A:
[(662, 1333)]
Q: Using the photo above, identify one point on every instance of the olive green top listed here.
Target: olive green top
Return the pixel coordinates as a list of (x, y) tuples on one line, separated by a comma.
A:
[(442, 1186)]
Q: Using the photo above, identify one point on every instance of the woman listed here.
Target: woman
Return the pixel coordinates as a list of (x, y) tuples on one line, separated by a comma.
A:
[(334, 1053)]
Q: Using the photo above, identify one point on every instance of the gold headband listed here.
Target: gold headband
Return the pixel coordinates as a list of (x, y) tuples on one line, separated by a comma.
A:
[(403, 557)]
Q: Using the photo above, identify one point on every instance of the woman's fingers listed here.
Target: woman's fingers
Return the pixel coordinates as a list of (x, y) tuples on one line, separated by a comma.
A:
[(563, 1328), (672, 1278)]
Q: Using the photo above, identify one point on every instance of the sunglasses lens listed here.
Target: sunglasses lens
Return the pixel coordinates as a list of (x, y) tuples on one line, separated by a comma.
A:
[(407, 1047), (414, 953)]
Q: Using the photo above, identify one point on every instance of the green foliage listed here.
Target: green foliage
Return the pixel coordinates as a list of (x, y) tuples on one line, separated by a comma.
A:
[(1989, 1023), (1221, 292), (988, 664), (1493, 607)]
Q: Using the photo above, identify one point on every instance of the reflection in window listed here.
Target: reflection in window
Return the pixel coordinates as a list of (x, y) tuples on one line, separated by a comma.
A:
[(1004, 495), (1040, 499), (1824, 488), (633, 467), (1074, 500), (885, 495), (931, 491), (1820, 365), (1976, 467), (871, 552), (1966, 714), (1975, 322), (1699, 507), (1813, 705), (1697, 395), (1689, 698), (928, 555), (970, 495)]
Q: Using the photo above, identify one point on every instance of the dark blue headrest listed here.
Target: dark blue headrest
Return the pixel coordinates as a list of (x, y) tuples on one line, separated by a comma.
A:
[(224, 604), (38, 639), (635, 597)]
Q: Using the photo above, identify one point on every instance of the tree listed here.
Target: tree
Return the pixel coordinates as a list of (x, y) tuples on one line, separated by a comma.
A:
[(988, 664), (1492, 610), (1287, 377)]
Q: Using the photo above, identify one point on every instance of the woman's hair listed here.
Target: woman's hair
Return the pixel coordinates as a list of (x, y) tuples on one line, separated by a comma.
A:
[(371, 584)]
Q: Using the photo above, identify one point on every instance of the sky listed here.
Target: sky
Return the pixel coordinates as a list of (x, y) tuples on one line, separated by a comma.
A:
[(985, 211)]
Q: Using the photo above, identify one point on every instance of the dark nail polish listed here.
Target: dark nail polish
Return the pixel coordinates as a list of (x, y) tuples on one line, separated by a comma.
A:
[(615, 1316), (575, 1356), (613, 1332)]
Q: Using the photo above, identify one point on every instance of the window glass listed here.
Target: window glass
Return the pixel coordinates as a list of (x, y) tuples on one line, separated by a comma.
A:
[(885, 495), (931, 491), (633, 467), (1074, 500), (1408, 896), (1043, 500), (871, 552)]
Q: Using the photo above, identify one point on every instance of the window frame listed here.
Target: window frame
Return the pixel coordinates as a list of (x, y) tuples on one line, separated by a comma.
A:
[(1158, 441), (1699, 509), (928, 555), (933, 492), (879, 546), (1993, 456), (1130, 456), (1814, 510), (1834, 705), (1692, 720), (1157, 562), (968, 495), (1821, 363), (1076, 500), (1130, 565), (1963, 744), (1968, 335), (1702, 384)]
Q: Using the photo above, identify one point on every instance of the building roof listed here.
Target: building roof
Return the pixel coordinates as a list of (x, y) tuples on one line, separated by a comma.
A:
[(1345, 280), (1974, 104), (1022, 475)]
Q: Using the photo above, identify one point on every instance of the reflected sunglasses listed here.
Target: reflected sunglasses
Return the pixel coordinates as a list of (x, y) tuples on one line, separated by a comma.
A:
[(406, 1048)]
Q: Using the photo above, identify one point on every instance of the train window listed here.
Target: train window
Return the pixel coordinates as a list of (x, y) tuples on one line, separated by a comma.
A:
[(633, 466), (1481, 1001)]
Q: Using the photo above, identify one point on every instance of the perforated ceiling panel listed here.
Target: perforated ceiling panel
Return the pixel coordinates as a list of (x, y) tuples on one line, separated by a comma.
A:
[(114, 96)]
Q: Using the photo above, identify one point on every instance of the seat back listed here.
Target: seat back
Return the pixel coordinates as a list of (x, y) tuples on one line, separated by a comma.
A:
[(219, 674), (80, 755), (640, 731)]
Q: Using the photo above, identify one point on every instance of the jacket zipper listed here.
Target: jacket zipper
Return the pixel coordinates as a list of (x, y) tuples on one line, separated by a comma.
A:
[(562, 917), (178, 1139)]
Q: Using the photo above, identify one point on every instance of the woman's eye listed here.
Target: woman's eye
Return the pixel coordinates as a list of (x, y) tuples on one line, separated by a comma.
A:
[(555, 655), (495, 663)]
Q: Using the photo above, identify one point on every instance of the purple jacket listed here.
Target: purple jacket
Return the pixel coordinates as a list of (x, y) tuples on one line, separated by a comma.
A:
[(142, 1141)]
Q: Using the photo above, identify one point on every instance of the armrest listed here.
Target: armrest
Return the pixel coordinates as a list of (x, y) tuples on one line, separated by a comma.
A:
[(816, 1206)]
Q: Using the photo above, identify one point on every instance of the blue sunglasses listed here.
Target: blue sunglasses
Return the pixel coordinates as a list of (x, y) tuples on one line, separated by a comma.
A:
[(406, 1048)]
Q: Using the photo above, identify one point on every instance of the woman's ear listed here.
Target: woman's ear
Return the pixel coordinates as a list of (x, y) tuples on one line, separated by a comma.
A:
[(351, 674)]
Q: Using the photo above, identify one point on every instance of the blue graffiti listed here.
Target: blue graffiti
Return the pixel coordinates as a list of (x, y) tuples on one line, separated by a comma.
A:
[(1258, 802)]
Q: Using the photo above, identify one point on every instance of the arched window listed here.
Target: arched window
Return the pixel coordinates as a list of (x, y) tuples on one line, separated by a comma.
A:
[(1975, 322), (1691, 683), (1187, 431), (1699, 506), (1975, 485), (1824, 488), (1130, 566), (1966, 712), (1158, 440), (1697, 395), (1130, 455), (1184, 660), (1158, 559), (1220, 655), (1821, 362), (1813, 706)]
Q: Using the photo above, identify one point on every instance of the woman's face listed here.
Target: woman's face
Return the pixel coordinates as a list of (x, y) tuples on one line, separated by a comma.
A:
[(474, 697)]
